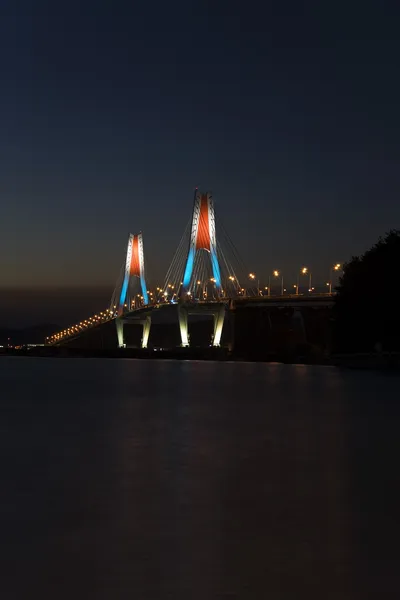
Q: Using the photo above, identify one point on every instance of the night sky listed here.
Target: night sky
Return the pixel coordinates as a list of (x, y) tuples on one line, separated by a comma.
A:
[(111, 113)]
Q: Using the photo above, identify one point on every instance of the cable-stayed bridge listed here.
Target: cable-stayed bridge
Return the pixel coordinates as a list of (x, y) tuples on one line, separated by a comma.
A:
[(206, 277)]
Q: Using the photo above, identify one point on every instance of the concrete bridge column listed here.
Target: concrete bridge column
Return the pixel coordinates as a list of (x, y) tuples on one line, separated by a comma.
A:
[(183, 325), (146, 331), (119, 323), (218, 325), (146, 324), (298, 321)]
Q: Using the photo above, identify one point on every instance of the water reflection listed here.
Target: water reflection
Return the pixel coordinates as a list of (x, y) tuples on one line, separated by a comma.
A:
[(196, 480)]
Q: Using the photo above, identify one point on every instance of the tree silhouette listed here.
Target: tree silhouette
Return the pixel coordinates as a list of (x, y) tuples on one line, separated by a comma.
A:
[(367, 307)]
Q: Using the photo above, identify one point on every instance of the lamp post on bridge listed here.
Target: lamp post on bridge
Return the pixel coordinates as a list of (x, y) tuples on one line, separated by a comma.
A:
[(276, 273), (252, 277), (336, 267), (235, 284), (303, 271)]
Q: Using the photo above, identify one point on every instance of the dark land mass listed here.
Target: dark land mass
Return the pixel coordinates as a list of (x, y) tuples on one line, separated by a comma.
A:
[(27, 335), (386, 361)]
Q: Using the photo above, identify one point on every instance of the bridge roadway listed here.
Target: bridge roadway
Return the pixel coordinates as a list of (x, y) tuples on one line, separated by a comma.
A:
[(315, 300), (218, 309), (288, 300)]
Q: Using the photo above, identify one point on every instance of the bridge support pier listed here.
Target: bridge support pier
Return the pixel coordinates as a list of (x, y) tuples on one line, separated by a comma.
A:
[(146, 330), (219, 318), (183, 325), (218, 313), (145, 322), (298, 324), (119, 324)]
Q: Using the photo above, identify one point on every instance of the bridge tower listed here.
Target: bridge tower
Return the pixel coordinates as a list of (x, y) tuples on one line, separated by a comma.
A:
[(125, 294), (202, 238), (134, 267)]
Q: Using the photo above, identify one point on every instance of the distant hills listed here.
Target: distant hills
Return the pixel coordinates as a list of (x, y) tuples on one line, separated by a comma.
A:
[(27, 335)]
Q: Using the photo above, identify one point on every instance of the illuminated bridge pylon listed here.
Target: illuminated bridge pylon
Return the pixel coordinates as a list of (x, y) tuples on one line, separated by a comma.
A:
[(201, 277), (202, 238), (205, 267), (131, 290)]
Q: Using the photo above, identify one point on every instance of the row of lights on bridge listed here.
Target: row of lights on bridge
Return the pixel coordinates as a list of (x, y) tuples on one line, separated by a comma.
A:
[(303, 271), (97, 319), (109, 314), (253, 277), (82, 326)]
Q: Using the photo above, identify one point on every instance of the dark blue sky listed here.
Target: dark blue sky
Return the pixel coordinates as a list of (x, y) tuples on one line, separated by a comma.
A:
[(110, 114)]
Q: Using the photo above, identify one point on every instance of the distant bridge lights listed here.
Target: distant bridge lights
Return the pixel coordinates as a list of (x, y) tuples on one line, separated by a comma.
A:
[(79, 327)]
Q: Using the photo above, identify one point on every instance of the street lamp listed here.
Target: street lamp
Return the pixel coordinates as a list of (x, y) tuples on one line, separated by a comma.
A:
[(303, 271), (336, 267), (276, 274), (252, 276)]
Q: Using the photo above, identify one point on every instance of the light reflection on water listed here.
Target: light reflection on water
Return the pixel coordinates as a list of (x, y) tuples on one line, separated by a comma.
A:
[(200, 480)]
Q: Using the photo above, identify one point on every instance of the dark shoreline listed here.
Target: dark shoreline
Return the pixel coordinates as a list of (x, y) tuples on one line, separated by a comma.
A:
[(365, 361)]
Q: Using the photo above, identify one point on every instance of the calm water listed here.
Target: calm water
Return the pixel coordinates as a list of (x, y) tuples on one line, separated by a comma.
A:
[(125, 479)]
